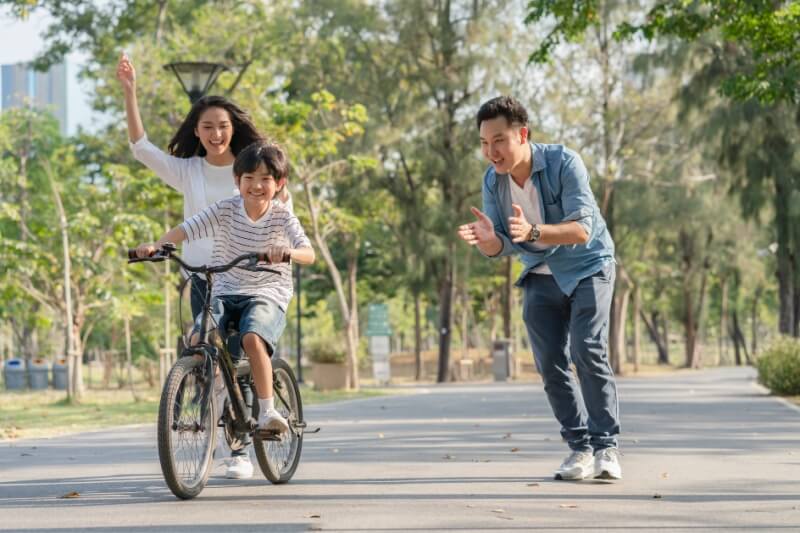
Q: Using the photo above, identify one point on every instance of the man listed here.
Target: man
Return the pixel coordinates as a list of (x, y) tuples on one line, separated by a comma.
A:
[(537, 204)]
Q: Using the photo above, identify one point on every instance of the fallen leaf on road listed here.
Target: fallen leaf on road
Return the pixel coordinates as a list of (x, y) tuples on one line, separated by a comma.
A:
[(313, 516), (72, 494), (470, 506), (507, 436), (533, 484), (515, 449), (448, 457), (657, 496), (569, 505), (505, 517), (664, 475), (498, 510), (26, 454)]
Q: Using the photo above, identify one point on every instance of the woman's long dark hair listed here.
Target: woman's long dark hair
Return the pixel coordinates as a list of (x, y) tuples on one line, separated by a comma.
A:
[(185, 143)]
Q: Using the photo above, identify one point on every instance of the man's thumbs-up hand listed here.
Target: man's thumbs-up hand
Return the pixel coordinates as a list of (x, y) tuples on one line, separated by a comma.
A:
[(518, 226)]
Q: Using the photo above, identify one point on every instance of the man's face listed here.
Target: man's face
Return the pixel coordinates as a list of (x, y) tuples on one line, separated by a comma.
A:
[(257, 188), (503, 144)]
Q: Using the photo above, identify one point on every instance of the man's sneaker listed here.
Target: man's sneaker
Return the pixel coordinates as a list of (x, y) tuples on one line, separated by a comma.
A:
[(579, 465), (239, 467), (272, 420), (606, 464)]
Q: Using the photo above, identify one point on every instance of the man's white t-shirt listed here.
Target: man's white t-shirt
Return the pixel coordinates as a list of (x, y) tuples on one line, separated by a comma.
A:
[(527, 197)]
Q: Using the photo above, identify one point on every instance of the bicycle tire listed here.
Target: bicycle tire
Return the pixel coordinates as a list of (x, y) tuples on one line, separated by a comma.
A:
[(179, 423), (278, 459)]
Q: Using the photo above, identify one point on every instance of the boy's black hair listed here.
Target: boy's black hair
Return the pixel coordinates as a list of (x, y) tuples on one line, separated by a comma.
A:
[(185, 143), (503, 106), (272, 155)]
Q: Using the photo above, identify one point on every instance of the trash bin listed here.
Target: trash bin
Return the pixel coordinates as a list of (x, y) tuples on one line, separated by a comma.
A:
[(501, 359), (60, 374), (39, 374), (14, 372)]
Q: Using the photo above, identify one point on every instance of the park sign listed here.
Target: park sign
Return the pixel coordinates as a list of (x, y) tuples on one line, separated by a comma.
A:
[(378, 320)]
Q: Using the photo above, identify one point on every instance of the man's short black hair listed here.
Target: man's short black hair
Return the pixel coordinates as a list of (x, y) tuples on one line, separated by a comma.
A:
[(273, 157), (503, 106)]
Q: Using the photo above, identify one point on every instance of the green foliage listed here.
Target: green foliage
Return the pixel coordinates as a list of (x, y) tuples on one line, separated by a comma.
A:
[(765, 34), (779, 367), (321, 343)]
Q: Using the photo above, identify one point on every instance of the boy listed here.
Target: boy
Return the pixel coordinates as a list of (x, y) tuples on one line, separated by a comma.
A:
[(251, 222)]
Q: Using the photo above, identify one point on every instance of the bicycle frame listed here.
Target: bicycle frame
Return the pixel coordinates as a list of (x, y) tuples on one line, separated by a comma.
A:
[(216, 353)]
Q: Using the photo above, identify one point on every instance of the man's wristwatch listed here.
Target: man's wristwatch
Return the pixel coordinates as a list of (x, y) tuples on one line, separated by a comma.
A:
[(534, 233)]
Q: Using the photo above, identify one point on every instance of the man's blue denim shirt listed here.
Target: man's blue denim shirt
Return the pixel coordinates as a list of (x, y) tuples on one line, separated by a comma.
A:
[(562, 182)]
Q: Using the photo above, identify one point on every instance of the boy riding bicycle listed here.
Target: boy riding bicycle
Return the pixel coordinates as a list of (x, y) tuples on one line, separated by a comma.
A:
[(255, 301)]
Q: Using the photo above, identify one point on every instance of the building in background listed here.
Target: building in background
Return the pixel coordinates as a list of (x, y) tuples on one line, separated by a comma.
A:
[(21, 86)]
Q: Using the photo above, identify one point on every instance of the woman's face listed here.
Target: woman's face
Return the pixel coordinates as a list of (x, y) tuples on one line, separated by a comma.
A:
[(215, 131)]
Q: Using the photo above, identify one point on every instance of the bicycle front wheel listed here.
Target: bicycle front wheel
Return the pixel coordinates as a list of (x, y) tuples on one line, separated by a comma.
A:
[(186, 428), (278, 457)]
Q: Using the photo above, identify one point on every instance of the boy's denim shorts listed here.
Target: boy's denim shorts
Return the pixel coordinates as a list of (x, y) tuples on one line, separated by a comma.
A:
[(247, 314)]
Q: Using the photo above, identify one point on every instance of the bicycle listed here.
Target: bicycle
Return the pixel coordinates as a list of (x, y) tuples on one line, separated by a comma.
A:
[(188, 413)]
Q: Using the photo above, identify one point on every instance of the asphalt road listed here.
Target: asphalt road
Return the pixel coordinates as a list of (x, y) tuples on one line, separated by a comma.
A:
[(702, 451)]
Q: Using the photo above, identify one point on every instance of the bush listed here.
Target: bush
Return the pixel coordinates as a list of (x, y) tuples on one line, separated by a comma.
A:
[(779, 367), (325, 353)]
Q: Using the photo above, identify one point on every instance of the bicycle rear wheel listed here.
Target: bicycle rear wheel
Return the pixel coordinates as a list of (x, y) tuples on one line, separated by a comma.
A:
[(278, 457), (186, 428)]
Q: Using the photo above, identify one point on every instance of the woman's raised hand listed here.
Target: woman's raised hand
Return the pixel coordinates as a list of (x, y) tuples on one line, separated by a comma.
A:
[(126, 74)]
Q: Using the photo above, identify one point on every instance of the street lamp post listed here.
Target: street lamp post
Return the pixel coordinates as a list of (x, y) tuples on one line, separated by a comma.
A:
[(196, 77), (299, 326)]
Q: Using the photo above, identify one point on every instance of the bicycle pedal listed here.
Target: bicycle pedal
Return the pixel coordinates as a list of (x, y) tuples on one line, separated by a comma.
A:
[(268, 434)]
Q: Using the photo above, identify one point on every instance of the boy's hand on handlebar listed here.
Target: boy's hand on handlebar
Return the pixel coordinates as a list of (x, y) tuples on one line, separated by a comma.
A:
[(278, 254), (145, 250)]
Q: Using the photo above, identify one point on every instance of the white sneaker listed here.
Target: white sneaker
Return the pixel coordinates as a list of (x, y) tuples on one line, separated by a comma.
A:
[(578, 465), (239, 467), (273, 421), (606, 464)]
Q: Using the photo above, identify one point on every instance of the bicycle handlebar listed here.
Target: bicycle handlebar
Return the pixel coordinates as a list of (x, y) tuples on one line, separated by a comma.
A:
[(166, 252)]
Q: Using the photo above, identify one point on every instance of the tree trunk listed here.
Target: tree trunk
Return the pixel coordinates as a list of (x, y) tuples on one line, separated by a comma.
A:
[(352, 322), (700, 313), (74, 368), (723, 321), (637, 327), (129, 355), (786, 281), (653, 330), (349, 315), (754, 322), (417, 338), (507, 297), (738, 338), (619, 313), (445, 318)]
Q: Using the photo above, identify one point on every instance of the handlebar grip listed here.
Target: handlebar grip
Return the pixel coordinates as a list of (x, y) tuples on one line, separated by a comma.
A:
[(262, 256)]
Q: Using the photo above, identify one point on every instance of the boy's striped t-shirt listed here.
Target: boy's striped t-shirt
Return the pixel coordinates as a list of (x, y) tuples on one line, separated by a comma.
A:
[(234, 234)]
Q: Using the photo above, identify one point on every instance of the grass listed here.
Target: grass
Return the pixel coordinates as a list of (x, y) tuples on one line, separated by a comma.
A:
[(27, 414), (794, 399)]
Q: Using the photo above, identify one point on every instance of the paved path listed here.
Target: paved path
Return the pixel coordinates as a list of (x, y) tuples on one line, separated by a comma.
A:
[(702, 451)]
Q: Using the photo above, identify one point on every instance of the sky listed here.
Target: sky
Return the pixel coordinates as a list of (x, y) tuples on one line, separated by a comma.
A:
[(26, 40)]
